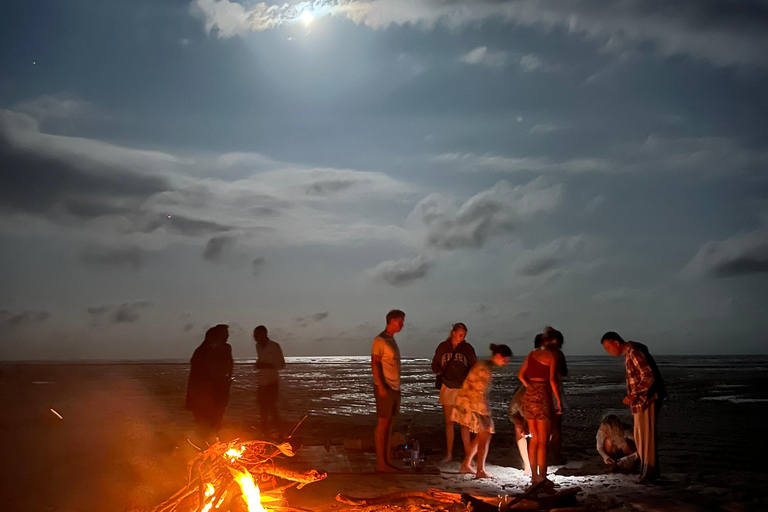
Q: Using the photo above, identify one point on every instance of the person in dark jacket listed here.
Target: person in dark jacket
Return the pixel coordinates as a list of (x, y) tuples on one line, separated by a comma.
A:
[(453, 359), (209, 380)]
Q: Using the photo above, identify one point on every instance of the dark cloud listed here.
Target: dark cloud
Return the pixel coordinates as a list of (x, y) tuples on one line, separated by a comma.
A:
[(257, 264), (89, 208), (127, 312), (540, 266), (216, 247), (10, 319), (495, 211), (741, 255), (176, 224), (304, 321), (99, 256), (34, 183), (402, 272), (740, 267), (322, 188)]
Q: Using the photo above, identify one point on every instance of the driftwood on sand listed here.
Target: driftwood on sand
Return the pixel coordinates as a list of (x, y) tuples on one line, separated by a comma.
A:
[(216, 476), (536, 498)]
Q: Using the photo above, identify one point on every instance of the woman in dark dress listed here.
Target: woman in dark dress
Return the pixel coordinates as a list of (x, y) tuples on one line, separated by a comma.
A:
[(209, 380)]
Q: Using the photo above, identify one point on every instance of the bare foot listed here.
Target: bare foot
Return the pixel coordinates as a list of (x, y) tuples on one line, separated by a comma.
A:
[(386, 469), (466, 469), (447, 459), (527, 472), (482, 474)]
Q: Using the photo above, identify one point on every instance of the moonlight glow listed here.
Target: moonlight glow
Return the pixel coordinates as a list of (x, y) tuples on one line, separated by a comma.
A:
[(306, 17)]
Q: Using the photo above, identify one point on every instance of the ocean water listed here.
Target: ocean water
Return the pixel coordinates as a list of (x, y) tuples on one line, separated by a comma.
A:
[(711, 421)]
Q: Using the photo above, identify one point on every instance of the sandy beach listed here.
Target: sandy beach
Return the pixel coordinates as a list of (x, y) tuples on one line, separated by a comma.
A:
[(83, 437)]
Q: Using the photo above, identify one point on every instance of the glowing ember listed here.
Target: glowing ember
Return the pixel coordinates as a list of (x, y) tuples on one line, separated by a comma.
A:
[(209, 490), (233, 453), (251, 494)]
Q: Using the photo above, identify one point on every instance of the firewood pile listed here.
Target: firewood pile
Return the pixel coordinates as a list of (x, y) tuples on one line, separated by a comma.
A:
[(238, 476), (538, 498)]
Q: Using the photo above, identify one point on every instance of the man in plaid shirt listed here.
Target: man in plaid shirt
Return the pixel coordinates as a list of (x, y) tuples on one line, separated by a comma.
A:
[(645, 393)]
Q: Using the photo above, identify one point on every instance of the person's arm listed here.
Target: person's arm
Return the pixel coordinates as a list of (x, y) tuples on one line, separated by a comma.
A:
[(230, 362), (523, 370), (472, 356), (437, 366), (280, 360), (376, 369), (553, 382), (600, 439), (378, 374), (562, 367)]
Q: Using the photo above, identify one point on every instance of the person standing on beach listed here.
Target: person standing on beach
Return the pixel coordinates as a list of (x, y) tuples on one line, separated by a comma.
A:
[(268, 364), (452, 361), (539, 375), (645, 393), (553, 339), (472, 409), (210, 376), (385, 365)]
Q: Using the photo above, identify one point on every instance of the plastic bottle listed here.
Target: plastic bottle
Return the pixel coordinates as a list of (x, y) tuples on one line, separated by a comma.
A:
[(415, 453)]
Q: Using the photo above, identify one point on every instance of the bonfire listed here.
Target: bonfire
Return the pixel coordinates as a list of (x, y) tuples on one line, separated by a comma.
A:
[(239, 476)]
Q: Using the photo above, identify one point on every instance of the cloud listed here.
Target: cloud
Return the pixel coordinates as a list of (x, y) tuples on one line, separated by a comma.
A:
[(127, 312), (216, 247), (9, 319), (257, 264), (724, 33), (57, 106), (101, 256), (498, 163), (498, 210), (39, 176), (740, 255), (402, 272), (304, 321), (329, 187), (481, 55), (109, 191), (574, 254)]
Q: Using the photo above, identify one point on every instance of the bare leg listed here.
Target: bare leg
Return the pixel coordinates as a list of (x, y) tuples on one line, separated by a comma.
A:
[(533, 450), (522, 445), (447, 409), (466, 466), (383, 430), (465, 437), (543, 432), (483, 443)]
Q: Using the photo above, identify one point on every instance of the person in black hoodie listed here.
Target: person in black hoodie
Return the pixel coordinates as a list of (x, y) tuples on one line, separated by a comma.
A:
[(453, 359), (209, 380)]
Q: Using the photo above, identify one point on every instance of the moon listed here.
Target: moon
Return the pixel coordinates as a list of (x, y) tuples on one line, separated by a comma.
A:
[(306, 17)]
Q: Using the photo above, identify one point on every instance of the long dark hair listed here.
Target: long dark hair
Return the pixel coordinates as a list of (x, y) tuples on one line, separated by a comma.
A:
[(504, 350)]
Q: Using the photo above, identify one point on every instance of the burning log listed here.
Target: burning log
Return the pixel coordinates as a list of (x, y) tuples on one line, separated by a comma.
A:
[(235, 476)]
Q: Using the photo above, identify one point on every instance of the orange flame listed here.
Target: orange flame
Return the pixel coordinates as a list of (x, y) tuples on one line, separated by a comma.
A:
[(250, 490)]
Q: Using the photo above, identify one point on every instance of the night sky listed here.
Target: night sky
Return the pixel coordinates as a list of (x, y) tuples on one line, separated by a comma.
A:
[(591, 165)]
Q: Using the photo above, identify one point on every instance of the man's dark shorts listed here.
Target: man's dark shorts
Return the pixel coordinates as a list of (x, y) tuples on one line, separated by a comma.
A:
[(387, 405)]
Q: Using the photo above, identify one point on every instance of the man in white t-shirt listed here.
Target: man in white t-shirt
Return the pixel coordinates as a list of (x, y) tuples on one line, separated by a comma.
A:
[(385, 364)]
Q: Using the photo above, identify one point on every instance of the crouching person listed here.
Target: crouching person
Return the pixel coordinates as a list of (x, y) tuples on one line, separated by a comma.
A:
[(616, 444)]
